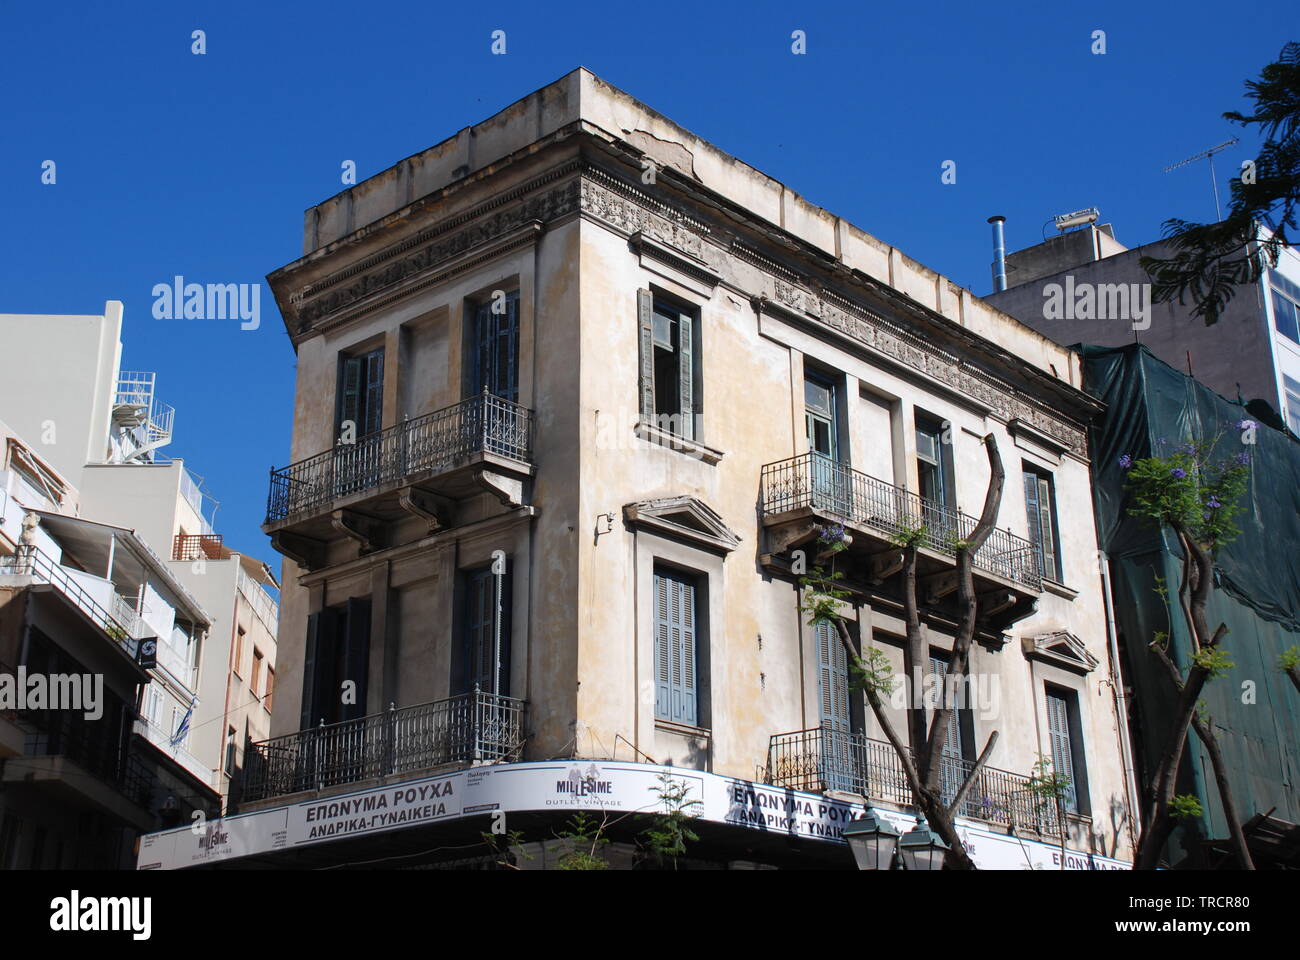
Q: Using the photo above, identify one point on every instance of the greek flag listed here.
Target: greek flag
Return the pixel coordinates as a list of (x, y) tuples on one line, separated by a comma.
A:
[(183, 730)]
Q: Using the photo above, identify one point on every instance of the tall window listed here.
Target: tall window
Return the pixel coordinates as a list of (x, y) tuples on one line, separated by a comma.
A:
[(1286, 306), (1040, 505), (676, 647), (230, 751), (1066, 743), (934, 476), (496, 347), (361, 393), (270, 688), (336, 664), (483, 654), (1292, 403), (254, 681), (839, 714), (932, 463), (669, 347), (238, 665), (952, 770)]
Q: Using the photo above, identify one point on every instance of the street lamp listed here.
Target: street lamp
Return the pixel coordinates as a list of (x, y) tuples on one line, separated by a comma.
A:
[(872, 840), (921, 848)]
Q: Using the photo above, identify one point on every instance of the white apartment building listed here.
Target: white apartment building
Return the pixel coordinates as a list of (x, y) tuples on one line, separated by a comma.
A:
[(105, 429)]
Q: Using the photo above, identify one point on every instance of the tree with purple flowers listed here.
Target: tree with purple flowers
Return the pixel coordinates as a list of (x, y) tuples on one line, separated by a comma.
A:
[(1195, 491)]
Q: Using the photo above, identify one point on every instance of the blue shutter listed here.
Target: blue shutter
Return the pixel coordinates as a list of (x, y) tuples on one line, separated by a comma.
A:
[(350, 394), (1058, 731), (676, 669), (686, 375), (373, 413), (663, 649), (496, 349), (951, 770), (833, 679)]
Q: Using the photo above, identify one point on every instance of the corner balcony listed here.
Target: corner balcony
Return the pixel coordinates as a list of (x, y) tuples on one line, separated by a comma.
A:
[(800, 494), (823, 759), (419, 468), (467, 730)]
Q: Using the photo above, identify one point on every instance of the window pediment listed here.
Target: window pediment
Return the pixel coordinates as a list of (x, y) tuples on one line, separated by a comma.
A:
[(1060, 648), (684, 518)]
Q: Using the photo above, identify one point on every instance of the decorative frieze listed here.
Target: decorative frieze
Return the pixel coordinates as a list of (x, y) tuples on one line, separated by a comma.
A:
[(600, 196)]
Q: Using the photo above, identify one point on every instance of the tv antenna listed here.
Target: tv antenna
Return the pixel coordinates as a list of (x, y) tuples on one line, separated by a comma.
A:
[(1208, 155)]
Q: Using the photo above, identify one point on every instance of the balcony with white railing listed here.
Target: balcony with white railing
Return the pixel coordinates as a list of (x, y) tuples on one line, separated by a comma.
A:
[(33, 565)]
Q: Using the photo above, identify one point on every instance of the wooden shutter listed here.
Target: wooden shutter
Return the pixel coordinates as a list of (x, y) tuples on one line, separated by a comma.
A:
[(1058, 731), (373, 396), (350, 394), (833, 679), (1047, 538), (645, 337), (1034, 517), (686, 375), (479, 602), (356, 653), (676, 666), (952, 737), (318, 674)]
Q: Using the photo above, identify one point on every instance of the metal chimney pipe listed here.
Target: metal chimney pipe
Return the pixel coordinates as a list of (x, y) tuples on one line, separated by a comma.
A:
[(999, 255)]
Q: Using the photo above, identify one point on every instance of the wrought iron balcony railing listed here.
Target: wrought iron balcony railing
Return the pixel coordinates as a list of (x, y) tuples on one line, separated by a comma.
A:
[(835, 488), (432, 443), (476, 727), (825, 759)]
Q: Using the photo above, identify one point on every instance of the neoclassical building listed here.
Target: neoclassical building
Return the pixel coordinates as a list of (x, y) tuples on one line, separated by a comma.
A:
[(577, 393)]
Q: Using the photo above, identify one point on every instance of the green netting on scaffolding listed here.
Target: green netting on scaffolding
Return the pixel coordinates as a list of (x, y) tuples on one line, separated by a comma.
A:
[(1151, 408)]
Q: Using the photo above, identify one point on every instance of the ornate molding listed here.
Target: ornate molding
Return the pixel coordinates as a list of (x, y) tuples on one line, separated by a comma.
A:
[(621, 206)]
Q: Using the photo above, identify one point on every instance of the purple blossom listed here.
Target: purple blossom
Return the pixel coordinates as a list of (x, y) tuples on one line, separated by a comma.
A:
[(833, 533), (1125, 462), (1246, 425), (1242, 459), (1178, 473), (1213, 503), (1188, 448)]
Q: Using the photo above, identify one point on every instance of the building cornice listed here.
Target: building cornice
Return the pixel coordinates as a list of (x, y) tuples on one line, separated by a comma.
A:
[(516, 216)]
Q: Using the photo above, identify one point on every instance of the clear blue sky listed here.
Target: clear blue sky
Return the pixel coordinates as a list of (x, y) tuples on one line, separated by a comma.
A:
[(170, 163)]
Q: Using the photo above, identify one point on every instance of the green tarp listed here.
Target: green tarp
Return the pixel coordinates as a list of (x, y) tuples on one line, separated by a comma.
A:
[(1255, 709)]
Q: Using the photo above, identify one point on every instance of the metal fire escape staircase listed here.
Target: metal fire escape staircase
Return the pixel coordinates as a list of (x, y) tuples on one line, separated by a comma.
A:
[(145, 419)]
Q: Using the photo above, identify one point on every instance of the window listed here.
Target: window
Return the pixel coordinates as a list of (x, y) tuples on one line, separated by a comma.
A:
[(676, 634), (669, 347), (1286, 307), (361, 393), (485, 631), (239, 651), (338, 653), (1040, 505), (1292, 403), (230, 751), (256, 676), (1067, 747), (934, 476), (956, 741), (496, 348), (270, 688), (840, 711)]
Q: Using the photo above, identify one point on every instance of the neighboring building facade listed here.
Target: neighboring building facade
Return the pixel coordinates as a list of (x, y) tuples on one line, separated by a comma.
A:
[(1151, 409), (104, 429), (1253, 352), (82, 772), (574, 387)]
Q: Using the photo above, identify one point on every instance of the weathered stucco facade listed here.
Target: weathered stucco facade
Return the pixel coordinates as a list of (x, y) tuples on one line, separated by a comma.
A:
[(591, 212)]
